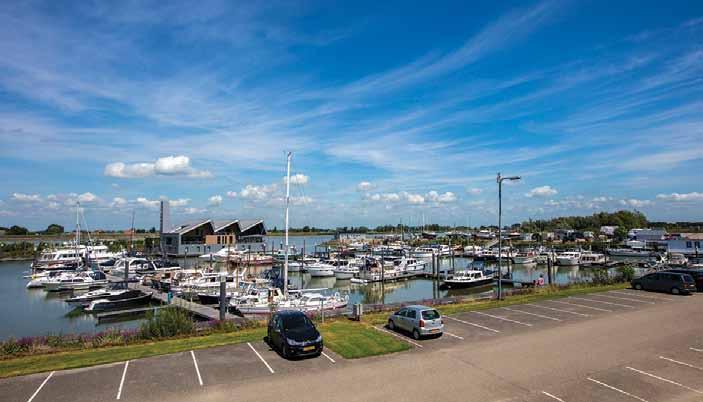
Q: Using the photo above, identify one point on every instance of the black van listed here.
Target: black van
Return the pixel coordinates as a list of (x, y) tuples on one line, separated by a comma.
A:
[(697, 275), (670, 282), (293, 334)]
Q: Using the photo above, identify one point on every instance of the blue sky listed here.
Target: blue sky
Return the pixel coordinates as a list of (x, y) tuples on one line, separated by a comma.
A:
[(392, 111)]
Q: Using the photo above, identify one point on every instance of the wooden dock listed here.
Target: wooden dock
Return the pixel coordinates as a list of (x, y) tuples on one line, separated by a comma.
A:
[(199, 310), (112, 314)]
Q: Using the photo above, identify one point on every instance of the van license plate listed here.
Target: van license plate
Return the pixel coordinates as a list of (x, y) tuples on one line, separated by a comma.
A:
[(308, 348), (434, 331)]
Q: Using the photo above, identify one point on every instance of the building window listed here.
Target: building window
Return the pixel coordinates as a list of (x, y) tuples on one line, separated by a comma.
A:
[(698, 244), (689, 244)]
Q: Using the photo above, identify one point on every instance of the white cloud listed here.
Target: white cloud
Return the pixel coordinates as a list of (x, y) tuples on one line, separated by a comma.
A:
[(364, 186), (634, 203), (543, 191), (215, 200), (193, 211), (694, 196), (474, 191), (301, 200), (26, 197), (51, 197), (297, 179), (53, 205), (602, 199), (118, 202), (181, 202), (151, 204), (166, 166), (441, 198), (253, 192), (386, 197), (87, 197), (413, 198), (232, 194)]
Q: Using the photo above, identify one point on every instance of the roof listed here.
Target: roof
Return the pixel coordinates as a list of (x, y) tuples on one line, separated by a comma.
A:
[(691, 236), (187, 227), (243, 224)]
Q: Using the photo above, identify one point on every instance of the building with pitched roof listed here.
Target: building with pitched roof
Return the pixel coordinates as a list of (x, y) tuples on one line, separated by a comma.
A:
[(210, 236)]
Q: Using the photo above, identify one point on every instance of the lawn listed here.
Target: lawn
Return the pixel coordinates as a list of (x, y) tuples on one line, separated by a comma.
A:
[(353, 340)]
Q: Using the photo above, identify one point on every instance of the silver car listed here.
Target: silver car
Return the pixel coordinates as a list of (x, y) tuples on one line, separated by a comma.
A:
[(418, 320)]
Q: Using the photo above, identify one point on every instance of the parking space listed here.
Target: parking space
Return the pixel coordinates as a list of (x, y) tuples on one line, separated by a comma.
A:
[(21, 389), (279, 365), (81, 385), (163, 375), (229, 364)]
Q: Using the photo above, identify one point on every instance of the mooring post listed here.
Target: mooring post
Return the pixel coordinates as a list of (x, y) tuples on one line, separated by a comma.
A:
[(223, 296)]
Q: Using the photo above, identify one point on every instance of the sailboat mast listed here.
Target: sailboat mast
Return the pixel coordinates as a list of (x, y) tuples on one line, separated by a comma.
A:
[(285, 261), (78, 234)]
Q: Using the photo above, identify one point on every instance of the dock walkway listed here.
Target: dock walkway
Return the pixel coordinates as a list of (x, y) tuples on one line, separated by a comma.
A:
[(195, 308)]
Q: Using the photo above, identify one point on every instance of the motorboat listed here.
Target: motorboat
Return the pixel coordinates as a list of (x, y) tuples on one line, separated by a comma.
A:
[(525, 257), (569, 258), (591, 258), (107, 304), (423, 252), (81, 281), (300, 264), (630, 253), (109, 294), (39, 279), (466, 279), (677, 260), (320, 269), (472, 251), (545, 257), (318, 301)]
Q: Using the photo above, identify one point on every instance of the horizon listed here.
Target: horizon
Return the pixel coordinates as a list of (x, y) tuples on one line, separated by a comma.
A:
[(392, 112)]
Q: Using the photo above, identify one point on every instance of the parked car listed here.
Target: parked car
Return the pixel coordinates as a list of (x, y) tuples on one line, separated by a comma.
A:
[(418, 320), (674, 283), (697, 275), (293, 334)]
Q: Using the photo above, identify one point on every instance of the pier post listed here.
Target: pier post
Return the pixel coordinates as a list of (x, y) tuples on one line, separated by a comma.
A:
[(223, 296), (549, 271)]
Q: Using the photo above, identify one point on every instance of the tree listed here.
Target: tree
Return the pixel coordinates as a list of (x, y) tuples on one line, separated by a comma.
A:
[(620, 233), (17, 230), (152, 230), (54, 229)]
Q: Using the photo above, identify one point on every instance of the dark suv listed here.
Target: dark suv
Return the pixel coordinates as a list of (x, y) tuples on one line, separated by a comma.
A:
[(674, 283), (293, 334), (697, 275)]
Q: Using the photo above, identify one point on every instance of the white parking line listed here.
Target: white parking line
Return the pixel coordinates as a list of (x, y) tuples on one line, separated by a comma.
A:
[(696, 350), (616, 389), (197, 370), (558, 309), (552, 396), (328, 358), (601, 301), (455, 336), (534, 314), (681, 363), (581, 305), (625, 299), (633, 294), (40, 387), (261, 358), (473, 324), (665, 380), (401, 337), (124, 374), (502, 318)]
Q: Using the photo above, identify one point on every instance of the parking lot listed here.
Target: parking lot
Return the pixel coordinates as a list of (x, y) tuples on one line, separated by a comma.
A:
[(671, 372)]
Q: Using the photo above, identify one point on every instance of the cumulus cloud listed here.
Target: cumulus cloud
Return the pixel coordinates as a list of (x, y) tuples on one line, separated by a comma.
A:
[(215, 200), (87, 197), (118, 202), (253, 192), (26, 197), (232, 194), (364, 186), (181, 202), (634, 203), (543, 191), (166, 166), (441, 198), (301, 200), (386, 197), (474, 191), (602, 199), (681, 197), (151, 204), (297, 179), (193, 211), (413, 198)]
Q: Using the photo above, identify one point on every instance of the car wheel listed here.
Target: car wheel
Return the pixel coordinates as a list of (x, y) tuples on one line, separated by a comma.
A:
[(391, 325), (638, 286), (285, 352), (416, 334), (675, 291)]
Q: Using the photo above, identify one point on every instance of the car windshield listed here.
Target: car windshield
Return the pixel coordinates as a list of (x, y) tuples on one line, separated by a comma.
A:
[(687, 278), (295, 321), (430, 315)]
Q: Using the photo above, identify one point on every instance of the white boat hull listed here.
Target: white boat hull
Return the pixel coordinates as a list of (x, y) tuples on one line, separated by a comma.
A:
[(567, 261)]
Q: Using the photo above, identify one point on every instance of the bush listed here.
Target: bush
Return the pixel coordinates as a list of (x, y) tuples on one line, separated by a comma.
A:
[(626, 273), (167, 322)]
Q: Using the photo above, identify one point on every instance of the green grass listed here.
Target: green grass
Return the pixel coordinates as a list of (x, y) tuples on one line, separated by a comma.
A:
[(92, 357), (353, 340)]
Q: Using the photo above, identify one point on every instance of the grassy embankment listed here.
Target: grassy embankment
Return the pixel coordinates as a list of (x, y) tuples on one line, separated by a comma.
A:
[(347, 338)]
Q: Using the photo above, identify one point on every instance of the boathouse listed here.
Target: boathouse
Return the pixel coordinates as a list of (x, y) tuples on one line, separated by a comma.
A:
[(210, 236)]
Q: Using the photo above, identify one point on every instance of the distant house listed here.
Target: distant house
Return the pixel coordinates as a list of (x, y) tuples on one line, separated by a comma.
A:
[(209, 236), (608, 230), (527, 236), (647, 235), (685, 243)]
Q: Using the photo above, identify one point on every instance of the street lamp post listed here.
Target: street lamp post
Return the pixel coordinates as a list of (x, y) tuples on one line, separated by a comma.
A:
[(499, 180)]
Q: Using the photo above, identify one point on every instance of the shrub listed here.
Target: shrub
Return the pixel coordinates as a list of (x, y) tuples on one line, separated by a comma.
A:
[(626, 273), (166, 323)]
